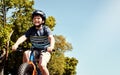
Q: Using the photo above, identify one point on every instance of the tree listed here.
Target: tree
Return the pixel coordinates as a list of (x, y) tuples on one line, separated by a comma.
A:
[(19, 21), (59, 64), (5, 32), (70, 68), (51, 22)]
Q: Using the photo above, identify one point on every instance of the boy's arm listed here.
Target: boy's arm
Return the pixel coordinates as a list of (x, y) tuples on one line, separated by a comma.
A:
[(52, 43), (18, 42)]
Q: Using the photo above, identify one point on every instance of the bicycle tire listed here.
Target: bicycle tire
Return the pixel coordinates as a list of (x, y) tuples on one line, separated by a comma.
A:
[(25, 69)]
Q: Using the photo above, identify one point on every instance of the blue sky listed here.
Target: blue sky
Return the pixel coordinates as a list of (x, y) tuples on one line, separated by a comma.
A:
[(93, 29)]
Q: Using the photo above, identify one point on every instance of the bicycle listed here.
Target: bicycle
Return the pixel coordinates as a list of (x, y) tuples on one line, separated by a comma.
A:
[(31, 67)]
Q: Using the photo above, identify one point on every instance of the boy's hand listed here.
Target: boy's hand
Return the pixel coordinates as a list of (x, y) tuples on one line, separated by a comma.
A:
[(14, 47), (49, 49)]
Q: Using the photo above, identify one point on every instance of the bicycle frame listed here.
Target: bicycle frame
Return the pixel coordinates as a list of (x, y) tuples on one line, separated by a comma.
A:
[(31, 59), (24, 68), (33, 62)]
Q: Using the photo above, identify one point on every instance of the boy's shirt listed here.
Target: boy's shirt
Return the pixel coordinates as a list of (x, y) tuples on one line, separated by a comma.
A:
[(39, 38)]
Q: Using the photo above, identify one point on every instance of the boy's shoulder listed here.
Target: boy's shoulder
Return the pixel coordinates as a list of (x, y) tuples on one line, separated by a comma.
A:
[(32, 28)]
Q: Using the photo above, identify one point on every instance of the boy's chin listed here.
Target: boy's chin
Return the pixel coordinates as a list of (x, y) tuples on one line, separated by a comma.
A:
[(37, 25)]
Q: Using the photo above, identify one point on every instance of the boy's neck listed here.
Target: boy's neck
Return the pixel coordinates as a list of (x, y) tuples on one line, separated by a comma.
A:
[(40, 27)]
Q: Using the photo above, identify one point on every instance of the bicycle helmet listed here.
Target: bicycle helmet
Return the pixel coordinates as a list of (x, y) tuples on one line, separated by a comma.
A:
[(39, 12)]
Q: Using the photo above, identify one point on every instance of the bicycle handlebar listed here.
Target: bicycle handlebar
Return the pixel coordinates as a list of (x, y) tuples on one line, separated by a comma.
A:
[(23, 49)]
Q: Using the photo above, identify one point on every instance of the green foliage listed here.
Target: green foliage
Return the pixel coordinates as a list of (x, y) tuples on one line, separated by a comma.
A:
[(59, 64), (51, 22), (61, 43), (56, 65), (71, 64), (19, 22), (18, 3), (4, 35)]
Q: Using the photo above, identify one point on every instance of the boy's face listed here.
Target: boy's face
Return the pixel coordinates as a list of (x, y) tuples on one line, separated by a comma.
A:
[(37, 20)]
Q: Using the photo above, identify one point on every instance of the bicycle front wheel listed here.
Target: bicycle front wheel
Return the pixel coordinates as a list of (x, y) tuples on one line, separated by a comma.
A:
[(25, 69)]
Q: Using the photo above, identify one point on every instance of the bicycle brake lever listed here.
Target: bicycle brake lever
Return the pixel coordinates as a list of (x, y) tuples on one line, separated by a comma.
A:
[(19, 49)]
